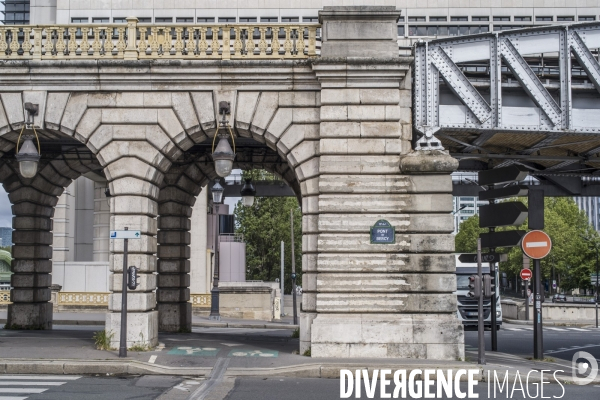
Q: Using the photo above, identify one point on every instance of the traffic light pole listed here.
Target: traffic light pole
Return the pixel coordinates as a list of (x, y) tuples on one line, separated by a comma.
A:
[(123, 338), (480, 327)]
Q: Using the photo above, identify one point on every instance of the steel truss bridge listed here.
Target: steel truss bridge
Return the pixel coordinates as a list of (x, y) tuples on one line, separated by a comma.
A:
[(528, 96)]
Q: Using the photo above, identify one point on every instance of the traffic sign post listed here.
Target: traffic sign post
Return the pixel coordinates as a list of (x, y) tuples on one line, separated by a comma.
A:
[(125, 235), (536, 244), (495, 215), (526, 274)]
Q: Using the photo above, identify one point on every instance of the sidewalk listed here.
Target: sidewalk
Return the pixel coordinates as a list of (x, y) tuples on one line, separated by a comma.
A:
[(97, 319), (578, 323), (251, 352)]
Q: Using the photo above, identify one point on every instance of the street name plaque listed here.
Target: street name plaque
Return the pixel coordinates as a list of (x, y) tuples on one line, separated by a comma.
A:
[(383, 233)]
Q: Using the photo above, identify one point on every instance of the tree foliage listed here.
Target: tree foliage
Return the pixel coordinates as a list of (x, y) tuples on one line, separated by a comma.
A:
[(264, 225), (574, 242)]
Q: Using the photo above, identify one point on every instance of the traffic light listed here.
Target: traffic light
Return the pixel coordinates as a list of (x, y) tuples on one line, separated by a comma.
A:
[(488, 286), (474, 287), (132, 278)]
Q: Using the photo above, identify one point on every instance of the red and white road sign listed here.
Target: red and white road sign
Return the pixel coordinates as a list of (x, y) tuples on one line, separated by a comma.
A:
[(526, 274), (536, 244)]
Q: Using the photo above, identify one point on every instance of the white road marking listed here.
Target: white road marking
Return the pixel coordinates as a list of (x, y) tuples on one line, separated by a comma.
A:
[(556, 329), (12, 398), (32, 383), (580, 330), (231, 344), (152, 359), (47, 377), (22, 390)]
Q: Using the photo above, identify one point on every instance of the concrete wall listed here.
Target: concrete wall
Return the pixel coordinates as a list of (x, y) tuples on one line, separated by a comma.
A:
[(200, 269), (81, 276), (232, 261), (550, 311)]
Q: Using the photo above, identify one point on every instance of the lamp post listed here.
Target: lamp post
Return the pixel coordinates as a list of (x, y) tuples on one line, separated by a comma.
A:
[(217, 197), (28, 156), (248, 193), (223, 155)]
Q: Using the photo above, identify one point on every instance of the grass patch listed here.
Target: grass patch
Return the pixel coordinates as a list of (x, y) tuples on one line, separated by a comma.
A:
[(139, 347), (296, 333), (102, 340), (307, 353)]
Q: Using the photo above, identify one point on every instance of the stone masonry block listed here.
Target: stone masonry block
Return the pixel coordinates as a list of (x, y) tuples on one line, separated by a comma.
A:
[(384, 283), (174, 223), (413, 243), (147, 283), (145, 262), (203, 102), (389, 203), (172, 295), (165, 251), (359, 164), (174, 237), (32, 209), (29, 295), (175, 317), (145, 224), (340, 96), (31, 266), (340, 129), (76, 106), (136, 302), (379, 96), (127, 204), (245, 108), (32, 252), (297, 99), (32, 237), (145, 244), (173, 281), (386, 302), (142, 328), (30, 315), (32, 223), (55, 105), (173, 266), (435, 223), (267, 105), (281, 121), (385, 262), (18, 280)]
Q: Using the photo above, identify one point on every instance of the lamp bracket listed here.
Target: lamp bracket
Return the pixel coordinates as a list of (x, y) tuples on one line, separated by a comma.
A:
[(32, 111)]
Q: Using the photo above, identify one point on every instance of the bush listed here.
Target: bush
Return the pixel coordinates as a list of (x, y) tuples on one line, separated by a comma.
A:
[(102, 340)]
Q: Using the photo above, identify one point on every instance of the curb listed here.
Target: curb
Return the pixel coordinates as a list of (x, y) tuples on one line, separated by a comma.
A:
[(104, 367), (195, 325), (242, 325)]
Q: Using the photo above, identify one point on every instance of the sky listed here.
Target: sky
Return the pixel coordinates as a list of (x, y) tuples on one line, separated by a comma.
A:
[(5, 210)]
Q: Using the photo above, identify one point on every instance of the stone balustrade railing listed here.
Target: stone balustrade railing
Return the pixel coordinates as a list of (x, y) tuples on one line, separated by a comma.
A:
[(99, 299), (133, 41)]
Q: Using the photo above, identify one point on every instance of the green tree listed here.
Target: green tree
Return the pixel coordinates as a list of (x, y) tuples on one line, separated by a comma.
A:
[(264, 225), (572, 257)]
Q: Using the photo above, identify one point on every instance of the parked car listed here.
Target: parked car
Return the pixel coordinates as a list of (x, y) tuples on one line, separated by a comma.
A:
[(559, 298)]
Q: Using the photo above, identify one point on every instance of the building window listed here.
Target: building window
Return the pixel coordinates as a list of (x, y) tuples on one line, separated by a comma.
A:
[(16, 12), (290, 19), (184, 20), (438, 19), (586, 18), (80, 20), (401, 19), (565, 19), (144, 20), (205, 20), (501, 18), (506, 27), (164, 20), (100, 20), (480, 18), (544, 19), (311, 19), (523, 19), (269, 19), (416, 19), (401, 30), (247, 19), (119, 20), (460, 19), (227, 19)]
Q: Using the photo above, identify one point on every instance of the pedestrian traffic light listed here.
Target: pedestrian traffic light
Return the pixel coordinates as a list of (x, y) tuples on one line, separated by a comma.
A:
[(488, 286), (474, 287), (132, 278)]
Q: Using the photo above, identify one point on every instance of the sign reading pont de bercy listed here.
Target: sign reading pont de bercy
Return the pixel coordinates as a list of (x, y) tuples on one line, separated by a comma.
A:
[(383, 233)]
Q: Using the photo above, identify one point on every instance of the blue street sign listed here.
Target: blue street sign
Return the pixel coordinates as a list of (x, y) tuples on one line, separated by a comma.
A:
[(383, 233), (125, 234)]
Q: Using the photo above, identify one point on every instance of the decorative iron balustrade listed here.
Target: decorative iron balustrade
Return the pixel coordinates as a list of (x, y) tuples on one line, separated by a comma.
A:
[(5, 297), (133, 41), (200, 300), (82, 299)]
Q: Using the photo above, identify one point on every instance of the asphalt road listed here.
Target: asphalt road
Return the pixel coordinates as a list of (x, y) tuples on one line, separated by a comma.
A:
[(559, 342), (44, 387)]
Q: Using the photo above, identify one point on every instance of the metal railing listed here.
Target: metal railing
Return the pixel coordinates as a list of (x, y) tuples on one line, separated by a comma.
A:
[(5, 297), (134, 41)]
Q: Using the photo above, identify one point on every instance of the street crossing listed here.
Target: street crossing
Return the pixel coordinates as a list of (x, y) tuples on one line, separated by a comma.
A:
[(21, 387), (552, 328)]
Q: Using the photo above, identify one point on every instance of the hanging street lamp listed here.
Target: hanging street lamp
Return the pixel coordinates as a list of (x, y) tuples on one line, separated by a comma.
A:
[(223, 155), (28, 156), (217, 193), (248, 193)]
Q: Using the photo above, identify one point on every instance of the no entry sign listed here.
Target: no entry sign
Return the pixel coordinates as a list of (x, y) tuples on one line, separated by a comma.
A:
[(536, 244), (526, 274)]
